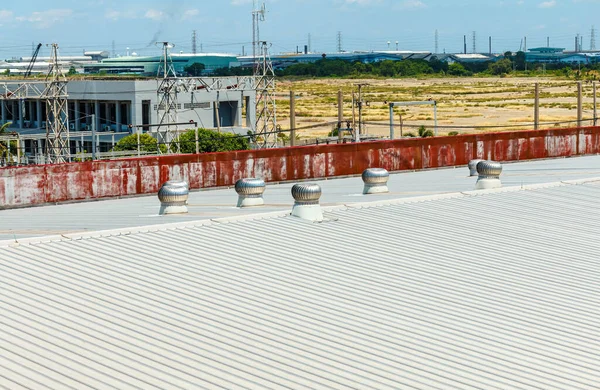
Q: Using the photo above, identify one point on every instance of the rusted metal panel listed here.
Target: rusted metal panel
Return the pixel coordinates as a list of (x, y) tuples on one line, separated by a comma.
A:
[(58, 183)]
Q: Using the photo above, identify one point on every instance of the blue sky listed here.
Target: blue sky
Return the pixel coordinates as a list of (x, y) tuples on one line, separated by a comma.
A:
[(225, 25)]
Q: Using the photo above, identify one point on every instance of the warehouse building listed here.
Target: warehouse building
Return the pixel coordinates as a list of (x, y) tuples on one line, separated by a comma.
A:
[(151, 66)]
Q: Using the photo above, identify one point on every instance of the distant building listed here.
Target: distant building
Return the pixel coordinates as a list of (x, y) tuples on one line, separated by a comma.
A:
[(150, 66)]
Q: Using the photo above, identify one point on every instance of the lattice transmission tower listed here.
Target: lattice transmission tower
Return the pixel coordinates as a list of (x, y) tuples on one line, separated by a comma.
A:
[(258, 15), (57, 113), (593, 39), (266, 118), (166, 131)]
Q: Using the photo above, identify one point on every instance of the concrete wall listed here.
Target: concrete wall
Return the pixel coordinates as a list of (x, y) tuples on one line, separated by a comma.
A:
[(90, 180)]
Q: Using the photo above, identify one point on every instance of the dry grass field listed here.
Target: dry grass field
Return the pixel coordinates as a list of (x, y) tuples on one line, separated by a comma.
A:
[(466, 105)]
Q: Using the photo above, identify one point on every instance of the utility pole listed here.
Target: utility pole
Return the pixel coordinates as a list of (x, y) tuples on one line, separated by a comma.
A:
[(547, 41), (536, 107), (594, 103), (167, 98), (490, 39), (579, 104), (114, 49), (465, 44), (309, 43), (339, 42), (437, 41), (360, 106), (292, 118), (94, 145), (525, 44), (340, 114), (194, 42), (57, 113)]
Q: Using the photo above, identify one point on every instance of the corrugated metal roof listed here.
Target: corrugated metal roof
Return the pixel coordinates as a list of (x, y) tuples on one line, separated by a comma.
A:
[(493, 290), (138, 211)]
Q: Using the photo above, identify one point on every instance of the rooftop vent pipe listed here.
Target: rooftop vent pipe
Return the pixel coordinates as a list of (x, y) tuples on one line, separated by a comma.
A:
[(375, 180), (306, 205), (250, 192), (473, 167), (489, 175), (173, 196)]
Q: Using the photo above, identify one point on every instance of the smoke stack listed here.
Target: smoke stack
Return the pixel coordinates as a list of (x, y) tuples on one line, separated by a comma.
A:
[(173, 196), (250, 192), (306, 205), (375, 180), (489, 175), (305, 49), (473, 167)]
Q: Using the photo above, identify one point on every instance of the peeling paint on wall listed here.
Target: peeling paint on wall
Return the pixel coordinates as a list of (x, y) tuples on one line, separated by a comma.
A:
[(24, 186)]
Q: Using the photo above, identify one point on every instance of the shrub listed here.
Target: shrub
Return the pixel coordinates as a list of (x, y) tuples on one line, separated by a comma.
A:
[(423, 132), (410, 135), (212, 141), (453, 133), (147, 144)]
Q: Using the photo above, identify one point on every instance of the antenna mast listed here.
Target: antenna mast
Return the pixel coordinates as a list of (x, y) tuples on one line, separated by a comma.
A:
[(167, 96), (57, 114)]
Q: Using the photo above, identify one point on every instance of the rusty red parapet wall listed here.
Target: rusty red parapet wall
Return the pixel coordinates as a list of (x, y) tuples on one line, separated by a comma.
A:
[(33, 185)]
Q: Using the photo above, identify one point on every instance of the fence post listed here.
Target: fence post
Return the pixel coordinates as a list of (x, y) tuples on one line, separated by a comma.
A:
[(536, 107), (579, 104), (340, 114), (292, 118), (595, 109), (94, 137)]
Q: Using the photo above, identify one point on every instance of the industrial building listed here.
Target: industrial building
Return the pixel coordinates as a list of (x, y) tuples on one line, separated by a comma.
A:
[(19, 66), (150, 66), (113, 105), (431, 286)]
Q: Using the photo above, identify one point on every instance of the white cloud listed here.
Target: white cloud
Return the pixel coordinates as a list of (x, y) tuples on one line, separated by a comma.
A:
[(154, 14), (412, 4), (45, 19), (5, 14), (362, 2), (116, 15), (547, 4), (190, 14)]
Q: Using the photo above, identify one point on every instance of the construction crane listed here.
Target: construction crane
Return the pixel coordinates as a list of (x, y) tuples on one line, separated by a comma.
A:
[(33, 58)]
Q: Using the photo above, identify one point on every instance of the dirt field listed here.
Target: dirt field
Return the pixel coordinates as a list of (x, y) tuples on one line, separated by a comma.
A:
[(465, 105)]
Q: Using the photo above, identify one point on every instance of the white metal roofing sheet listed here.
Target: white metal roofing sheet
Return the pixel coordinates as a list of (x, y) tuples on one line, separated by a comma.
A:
[(494, 290)]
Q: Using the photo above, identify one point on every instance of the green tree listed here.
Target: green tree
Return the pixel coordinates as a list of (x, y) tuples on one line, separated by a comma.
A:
[(519, 60), (6, 148), (456, 69), (72, 71), (501, 67), (211, 141), (387, 68), (147, 144), (195, 69)]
